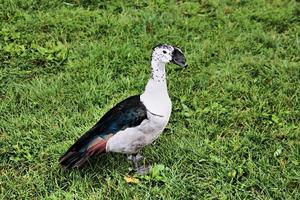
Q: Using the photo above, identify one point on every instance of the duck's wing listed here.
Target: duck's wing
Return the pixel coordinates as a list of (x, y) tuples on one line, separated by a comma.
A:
[(128, 113)]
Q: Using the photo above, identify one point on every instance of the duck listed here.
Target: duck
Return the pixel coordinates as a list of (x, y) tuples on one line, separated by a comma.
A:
[(133, 123)]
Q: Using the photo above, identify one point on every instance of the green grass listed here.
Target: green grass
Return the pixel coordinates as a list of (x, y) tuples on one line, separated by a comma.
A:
[(234, 132)]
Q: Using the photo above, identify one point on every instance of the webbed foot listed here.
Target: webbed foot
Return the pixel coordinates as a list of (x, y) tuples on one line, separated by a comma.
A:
[(143, 170), (136, 159)]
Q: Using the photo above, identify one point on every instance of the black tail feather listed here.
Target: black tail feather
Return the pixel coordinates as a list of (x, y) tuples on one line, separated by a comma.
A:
[(78, 154), (73, 159)]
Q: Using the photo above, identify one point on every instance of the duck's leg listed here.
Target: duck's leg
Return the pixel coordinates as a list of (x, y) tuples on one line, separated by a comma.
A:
[(136, 158)]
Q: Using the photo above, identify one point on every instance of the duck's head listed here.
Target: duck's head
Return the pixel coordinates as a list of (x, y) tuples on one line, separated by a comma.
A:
[(167, 53)]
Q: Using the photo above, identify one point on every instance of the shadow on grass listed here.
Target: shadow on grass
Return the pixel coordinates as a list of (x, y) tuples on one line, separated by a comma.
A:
[(101, 164), (96, 171)]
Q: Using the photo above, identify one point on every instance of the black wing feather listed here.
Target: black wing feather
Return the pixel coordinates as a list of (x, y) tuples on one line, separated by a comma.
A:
[(128, 113)]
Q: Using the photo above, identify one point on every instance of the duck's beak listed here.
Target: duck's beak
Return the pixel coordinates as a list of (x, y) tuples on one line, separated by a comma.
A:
[(178, 58)]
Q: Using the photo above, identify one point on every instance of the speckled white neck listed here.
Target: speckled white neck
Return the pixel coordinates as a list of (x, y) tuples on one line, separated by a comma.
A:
[(158, 71)]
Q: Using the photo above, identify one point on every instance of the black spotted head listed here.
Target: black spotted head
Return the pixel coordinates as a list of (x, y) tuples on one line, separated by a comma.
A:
[(167, 53)]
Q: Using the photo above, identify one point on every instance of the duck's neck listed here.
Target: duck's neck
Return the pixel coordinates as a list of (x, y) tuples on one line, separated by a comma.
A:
[(158, 71), (157, 84)]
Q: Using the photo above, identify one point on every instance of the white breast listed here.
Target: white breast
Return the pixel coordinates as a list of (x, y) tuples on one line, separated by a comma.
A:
[(156, 98)]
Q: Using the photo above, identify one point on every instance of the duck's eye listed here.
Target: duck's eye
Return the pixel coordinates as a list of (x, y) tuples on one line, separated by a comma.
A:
[(164, 52)]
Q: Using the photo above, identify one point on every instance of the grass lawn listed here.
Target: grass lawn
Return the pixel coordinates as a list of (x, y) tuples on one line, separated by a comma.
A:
[(234, 131)]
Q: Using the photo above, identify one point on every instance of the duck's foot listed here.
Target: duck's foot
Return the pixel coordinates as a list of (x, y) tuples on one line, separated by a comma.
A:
[(143, 170), (136, 160), (135, 157)]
